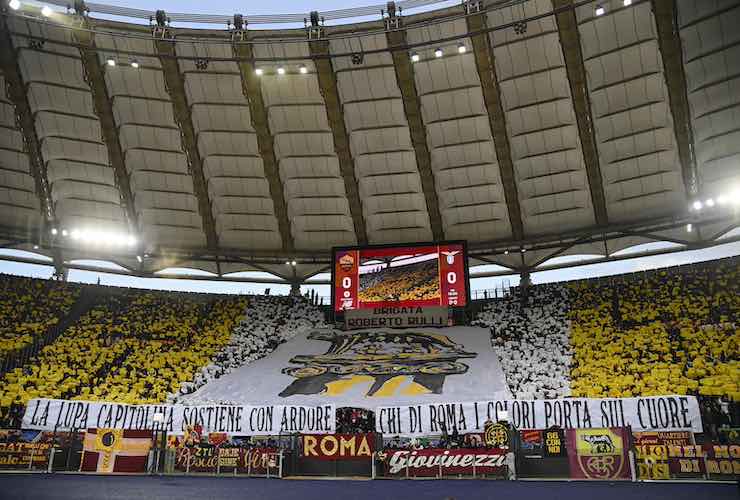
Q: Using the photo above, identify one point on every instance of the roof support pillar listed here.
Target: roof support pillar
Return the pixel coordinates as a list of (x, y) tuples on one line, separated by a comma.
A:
[(265, 142), (571, 43), (176, 87), (412, 106), (670, 50), (95, 76), (16, 91), (328, 85), (484, 62)]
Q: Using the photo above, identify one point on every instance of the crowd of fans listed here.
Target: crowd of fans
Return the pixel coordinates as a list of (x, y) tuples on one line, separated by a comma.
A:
[(660, 332), (268, 322), (29, 308), (417, 281), (669, 331), (531, 339), (131, 347)]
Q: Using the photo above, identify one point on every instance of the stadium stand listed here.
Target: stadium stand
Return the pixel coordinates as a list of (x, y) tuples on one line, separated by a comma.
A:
[(268, 322), (672, 330), (131, 346), (532, 341), (666, 331), (29, 308)]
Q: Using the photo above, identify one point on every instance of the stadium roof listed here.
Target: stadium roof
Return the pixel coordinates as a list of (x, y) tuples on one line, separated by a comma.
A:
[(546, 125)]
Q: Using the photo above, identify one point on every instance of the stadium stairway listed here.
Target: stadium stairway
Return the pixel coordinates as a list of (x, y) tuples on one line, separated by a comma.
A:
[(84, 302)]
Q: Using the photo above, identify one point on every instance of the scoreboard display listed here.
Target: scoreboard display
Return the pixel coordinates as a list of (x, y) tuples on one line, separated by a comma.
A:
[(423, 274)]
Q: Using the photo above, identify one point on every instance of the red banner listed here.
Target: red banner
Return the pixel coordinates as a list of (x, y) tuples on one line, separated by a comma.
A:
[(338, 446), (209, 459), (431, 462), (598, 453)]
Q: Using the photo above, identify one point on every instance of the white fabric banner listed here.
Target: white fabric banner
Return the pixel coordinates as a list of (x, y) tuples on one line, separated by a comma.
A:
[(63, 415), (367, 368), (642, 414)]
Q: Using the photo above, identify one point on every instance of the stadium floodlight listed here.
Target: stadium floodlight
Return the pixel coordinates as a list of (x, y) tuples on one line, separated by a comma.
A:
[(75, 234), (506, 252), (135, 64), (110, 62), (281, 70), (54, 231), (462, 48), (303, 69), (287, 262), (709, 202), (415, 57), (293, 263), (259, 71), (627, 3), (314, 16), (46, 11), (697, 205), (238, 22), (35, 247), (721, 199), (689, 227), (524, 249), (600, 10), (131, 240), (14, 4), (138, 257), (438, 52), (64, 232)]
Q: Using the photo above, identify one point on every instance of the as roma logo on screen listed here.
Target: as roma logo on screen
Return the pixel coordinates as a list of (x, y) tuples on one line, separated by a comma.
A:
[(378, 355), (346, 262)]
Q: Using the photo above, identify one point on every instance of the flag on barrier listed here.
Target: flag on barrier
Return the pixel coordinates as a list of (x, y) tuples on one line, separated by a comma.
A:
[(115, 450)]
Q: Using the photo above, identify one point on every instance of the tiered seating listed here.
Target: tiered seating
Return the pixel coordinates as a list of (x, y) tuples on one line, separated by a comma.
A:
[(29, 308), (667, 331), (532, 341), (131, 347), (269, 321)]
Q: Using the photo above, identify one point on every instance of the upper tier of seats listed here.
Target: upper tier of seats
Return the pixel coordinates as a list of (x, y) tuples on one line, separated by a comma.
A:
[(29, 308)]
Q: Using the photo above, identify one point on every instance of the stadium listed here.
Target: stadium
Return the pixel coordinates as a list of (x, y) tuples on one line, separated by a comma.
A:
[(431, 248)]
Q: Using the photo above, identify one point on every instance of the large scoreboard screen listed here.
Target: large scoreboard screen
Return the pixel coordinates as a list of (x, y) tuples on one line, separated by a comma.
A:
[(423, 274)]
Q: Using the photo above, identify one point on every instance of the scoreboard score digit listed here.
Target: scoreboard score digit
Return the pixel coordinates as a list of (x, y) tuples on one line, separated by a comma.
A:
[(428, 274)]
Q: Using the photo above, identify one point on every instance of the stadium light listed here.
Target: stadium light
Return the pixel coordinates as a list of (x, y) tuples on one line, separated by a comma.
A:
[(293, 263), (281, 70), (303, 69), (415, 57), (64, 233), (721, 199), (600, 10), (259, 71), (462, 48), (135, 64), (709, 202), (627, 3), (438, 53), (35, 247), (110, 61), (689, 227), (138, 257), (54, 231), (524, 249), (46, 11), (697, 205), (14, 4), (506, 252)]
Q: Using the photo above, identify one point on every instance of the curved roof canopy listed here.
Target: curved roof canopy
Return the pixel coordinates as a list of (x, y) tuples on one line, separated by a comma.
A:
[(543, 124)]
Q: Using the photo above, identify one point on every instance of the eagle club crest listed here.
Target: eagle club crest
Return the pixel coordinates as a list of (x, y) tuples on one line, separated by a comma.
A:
[(379, 356)]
